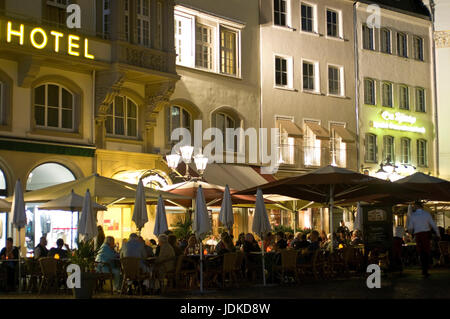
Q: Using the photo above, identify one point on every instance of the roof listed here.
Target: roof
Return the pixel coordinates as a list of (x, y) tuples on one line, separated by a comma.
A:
[(416, 7)]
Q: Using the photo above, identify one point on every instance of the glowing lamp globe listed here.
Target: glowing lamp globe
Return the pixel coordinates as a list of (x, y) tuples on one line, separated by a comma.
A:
[(186, 153), (173, 160)]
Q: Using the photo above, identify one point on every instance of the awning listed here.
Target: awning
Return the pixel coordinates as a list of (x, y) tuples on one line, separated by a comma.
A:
[(346, 135), (318, 130), (238, 177), (289, 127)]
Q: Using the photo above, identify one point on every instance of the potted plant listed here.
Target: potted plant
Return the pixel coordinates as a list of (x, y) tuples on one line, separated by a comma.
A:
[(84, 257)]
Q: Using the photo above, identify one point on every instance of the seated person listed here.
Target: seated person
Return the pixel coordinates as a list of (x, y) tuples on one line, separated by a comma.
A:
[(173, 242), (315, 244), (41, 249), (135, 248), (220, 245), (290, 238), (269, 242), (280, 241), (301, 242), (62, 253), (241, 240), (227, 245), (165, 262), (107, 255), (191, 246), (250, 244), (148, 249), (356, 238), (10, 252)]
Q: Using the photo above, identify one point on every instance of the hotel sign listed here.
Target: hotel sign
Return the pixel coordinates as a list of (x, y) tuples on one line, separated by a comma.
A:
[(399, 122), (41, 39)]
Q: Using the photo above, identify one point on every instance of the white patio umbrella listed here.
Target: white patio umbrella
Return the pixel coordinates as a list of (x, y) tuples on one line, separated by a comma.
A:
[(71, 203), (358, 218), (87, 225), (161, 218), (140, 216), (408, 216), (201, 226), (261, 224), (226, 211), (19, 219)]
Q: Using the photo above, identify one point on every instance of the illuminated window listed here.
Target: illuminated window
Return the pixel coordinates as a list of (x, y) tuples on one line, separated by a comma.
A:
[(178, 117), (406, 150), (369, 91), (53, 107), (420, 100), (143, 22), (371, 148), (122, 117), (402, 45), (287, 149), (280, 12), (404, 97), (228, 51), (312, 147), (422, 158), (367, 38), (338, 150), (388, 149), (385, 40), (418, 48), (204, 49), (386, 90)]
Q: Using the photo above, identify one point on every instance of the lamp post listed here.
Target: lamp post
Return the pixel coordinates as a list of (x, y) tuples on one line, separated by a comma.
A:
[(200, 160)]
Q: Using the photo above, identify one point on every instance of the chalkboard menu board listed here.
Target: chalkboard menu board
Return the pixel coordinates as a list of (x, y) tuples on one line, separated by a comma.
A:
[(377, 226)]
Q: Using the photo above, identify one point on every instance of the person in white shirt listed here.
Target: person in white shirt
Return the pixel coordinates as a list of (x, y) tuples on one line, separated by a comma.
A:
[(420, 225)]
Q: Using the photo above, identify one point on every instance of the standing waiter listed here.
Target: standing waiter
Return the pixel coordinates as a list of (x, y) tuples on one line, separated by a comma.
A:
[(420, 224)]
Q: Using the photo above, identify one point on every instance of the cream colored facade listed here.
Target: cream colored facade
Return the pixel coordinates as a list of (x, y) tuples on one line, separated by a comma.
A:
[(394, 125)]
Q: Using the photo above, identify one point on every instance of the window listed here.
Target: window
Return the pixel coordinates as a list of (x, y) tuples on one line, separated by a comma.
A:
[(143, 22), (388, 149), (287, 149), (106, 19), (338, 150), (204, 49), (2, 104), (385, 35), (422, 158), (183, 40), (309, 78), (332, 23), (53, 107), (406, 150), (312, 147), (387, 94), (283, 72), (56, 12), (420, 100), (224, 121), (371, 148), (126, 20), (280, 12), (159, 30), (307, 18), (178, 117), (369, 91), (418, 48), (404, 97), (335, 80), (122, 117), (402, 45), (367, 37), (227, 51)]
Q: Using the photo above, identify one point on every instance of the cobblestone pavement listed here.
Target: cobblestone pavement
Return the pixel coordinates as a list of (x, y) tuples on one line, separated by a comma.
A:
[(409, 285)]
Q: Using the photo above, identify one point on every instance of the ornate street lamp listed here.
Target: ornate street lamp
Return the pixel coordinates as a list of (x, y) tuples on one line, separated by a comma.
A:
[(201, 162), (173, 160), (186, 151)]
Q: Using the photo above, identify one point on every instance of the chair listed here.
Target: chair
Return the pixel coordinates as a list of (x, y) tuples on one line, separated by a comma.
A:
[(444, 250), (131, 270), (32, 272), (229, 268), (102, 277), (312, 265), (49, 270), (288, 264), (238, 266)]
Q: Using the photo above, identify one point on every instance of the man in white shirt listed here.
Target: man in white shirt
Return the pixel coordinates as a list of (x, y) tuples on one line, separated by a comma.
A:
[(420, 225)]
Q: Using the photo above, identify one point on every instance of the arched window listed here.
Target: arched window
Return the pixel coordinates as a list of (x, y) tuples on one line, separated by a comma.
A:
[(178, 117), (3, 185), (48, 174), (122, 117), (224, 121), (54, 107)]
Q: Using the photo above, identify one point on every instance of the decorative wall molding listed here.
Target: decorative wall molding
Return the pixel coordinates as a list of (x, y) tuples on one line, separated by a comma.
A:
[(442, 39), (156, 97)]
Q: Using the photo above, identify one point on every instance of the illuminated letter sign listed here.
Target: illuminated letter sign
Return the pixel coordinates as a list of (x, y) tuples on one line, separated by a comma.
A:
[(33, 40), (396, 121)]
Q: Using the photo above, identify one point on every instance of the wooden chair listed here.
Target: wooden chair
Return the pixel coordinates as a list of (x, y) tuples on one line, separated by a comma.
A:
[(312, 266), (102, 277), (131, 270), (32, 271), (229, 268), (288, 264), (238, 266), (180, 273), (444, 250), (49, 271)]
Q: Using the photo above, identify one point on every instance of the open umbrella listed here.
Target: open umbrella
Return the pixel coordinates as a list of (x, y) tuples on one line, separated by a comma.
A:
[(140, 216), (72, 203), (426, 187), (19, 219), (161, 218), (201, 226), (87, 225), (226, 211), (261, 224)]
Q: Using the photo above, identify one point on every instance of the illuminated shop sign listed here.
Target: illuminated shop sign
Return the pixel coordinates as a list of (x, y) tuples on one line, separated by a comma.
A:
[(41, 39), (399, 122)]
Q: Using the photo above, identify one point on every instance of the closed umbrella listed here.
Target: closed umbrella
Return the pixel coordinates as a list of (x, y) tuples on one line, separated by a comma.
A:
[(19, 216), (261, 224), (226, 211), (87, 225), (72, 202), (140, 216), (201, 226), (359, 218), (161, 218)]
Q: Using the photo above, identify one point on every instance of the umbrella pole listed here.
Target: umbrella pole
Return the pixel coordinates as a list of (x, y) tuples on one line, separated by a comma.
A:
[(263, 266), (331, 215), (71, 230), (201, 266), (20, 248)]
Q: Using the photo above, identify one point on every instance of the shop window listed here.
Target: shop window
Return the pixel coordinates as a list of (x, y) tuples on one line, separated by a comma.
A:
[(122, 117), (54, 107)]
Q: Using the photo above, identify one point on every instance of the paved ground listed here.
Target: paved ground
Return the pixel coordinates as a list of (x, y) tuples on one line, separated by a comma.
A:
[(409, 285)]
